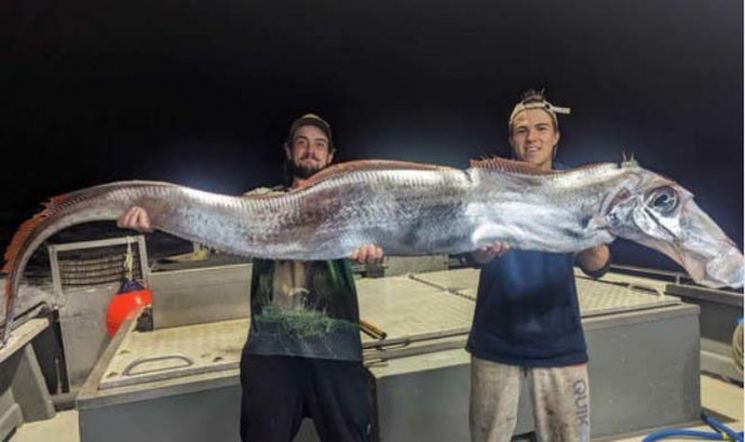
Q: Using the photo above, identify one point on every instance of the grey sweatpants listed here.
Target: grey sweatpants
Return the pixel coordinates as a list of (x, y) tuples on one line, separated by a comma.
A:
[(561, 401)]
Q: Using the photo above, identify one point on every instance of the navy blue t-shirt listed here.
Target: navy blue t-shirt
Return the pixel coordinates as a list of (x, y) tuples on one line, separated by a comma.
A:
[(527, 312)]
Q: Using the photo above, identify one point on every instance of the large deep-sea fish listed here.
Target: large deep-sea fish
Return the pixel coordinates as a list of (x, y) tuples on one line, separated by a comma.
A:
[(413, 209)]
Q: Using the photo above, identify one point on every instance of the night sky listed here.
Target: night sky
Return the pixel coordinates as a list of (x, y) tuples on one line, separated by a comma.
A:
[(202, 93)]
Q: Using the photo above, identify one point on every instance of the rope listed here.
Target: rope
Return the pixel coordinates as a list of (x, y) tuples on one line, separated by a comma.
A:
[(129, 262), (737, 338)]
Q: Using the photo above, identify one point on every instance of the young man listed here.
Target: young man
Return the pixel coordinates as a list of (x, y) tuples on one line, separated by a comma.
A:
[(303, 356), (527, 319)]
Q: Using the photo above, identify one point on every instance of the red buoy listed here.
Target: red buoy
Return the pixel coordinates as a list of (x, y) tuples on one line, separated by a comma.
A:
[(130, 296)]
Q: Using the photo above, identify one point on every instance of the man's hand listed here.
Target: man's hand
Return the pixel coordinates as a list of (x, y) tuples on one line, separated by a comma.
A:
[(487, 253), (594, 260), (135, 218), (367, 254)]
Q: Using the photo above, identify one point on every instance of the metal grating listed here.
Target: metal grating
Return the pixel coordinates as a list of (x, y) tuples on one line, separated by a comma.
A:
[(402, 306), (423, 312), (463, 282), (90, 263), (598, 297), (175, 352), (99, 266), (611, 293)]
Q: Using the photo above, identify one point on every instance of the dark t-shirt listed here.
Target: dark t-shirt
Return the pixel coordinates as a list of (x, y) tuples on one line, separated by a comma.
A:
[(303, 308), (527, 312)]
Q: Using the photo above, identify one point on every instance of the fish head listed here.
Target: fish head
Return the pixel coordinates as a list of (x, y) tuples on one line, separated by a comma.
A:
[(658, 213)]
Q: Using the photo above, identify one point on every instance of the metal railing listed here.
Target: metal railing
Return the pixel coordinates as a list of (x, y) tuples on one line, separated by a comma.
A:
[(88, 263)]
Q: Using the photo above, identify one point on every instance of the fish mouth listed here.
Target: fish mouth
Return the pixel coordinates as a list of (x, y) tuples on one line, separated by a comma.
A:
[(700, 246), (726, 269), (705, 251)]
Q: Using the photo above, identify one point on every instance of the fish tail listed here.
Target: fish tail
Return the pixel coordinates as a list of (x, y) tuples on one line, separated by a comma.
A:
[(27, 229), (59, 212)]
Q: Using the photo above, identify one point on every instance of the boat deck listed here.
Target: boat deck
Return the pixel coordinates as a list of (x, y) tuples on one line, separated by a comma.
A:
[(718, 398)]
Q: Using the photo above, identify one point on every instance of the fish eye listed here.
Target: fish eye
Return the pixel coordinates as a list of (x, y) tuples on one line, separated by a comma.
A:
[(663, 200)]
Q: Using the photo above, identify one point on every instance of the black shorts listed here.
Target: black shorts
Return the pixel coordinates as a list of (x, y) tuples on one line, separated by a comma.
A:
[(279, 391)]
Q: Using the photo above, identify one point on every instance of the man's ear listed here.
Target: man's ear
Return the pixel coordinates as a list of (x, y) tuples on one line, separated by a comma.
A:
[(288, 151), (331, 157)]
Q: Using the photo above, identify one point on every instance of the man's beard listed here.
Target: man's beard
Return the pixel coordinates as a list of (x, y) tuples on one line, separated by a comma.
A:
[(302, 171)]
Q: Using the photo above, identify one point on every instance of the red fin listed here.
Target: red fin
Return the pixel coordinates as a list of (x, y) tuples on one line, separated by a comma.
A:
[(262, 193), (523, 168), (509, 166), (353, 166), (25, 230)]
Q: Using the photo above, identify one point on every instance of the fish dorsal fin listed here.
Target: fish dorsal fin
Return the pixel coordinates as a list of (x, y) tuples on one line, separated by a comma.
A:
[(348, 167), (509, 166), (50, 208), (364, 165), (26, 229)]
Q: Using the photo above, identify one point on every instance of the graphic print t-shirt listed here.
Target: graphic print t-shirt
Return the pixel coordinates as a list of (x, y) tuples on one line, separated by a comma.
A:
[(304, 308)]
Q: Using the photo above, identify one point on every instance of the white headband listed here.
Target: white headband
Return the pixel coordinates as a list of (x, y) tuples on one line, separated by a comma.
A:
[(544, 105)]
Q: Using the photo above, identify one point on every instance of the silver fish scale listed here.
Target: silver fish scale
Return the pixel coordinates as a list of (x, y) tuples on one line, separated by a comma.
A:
[(408, 212), (340, 214)]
